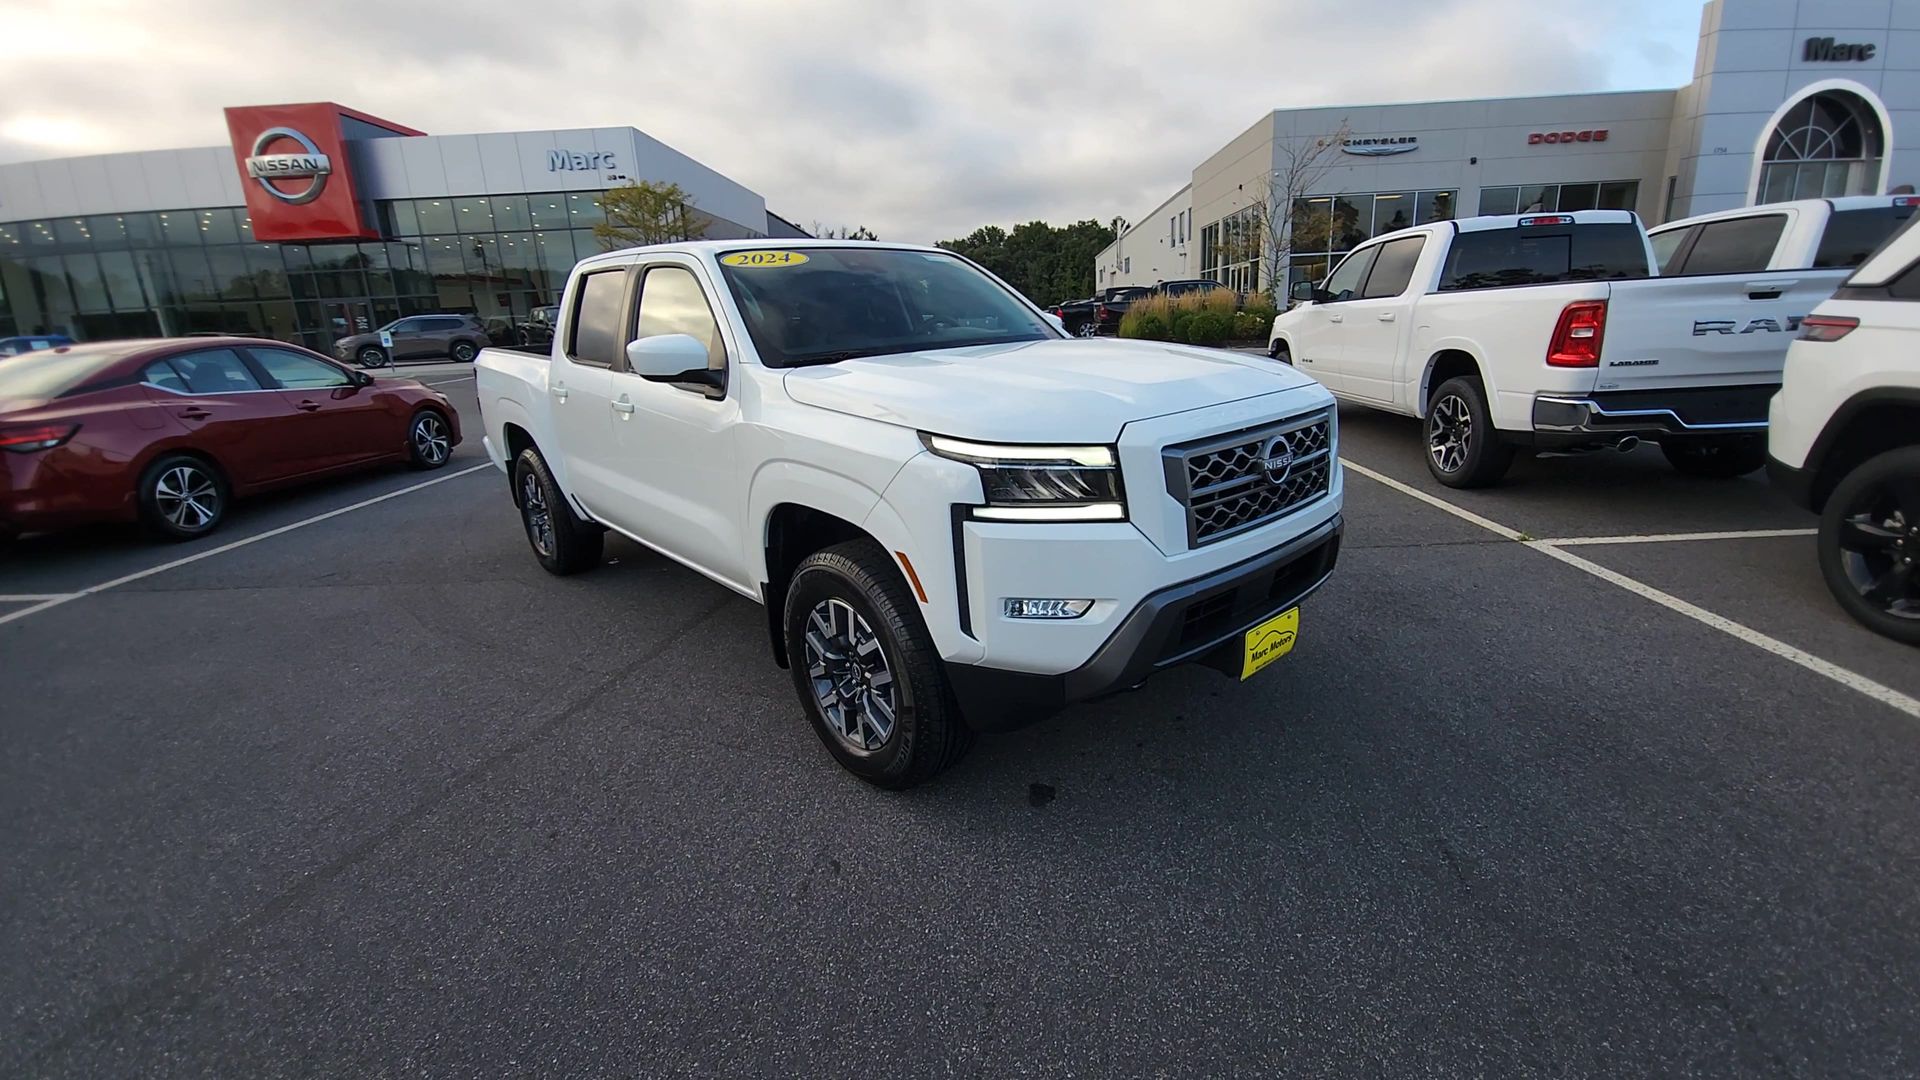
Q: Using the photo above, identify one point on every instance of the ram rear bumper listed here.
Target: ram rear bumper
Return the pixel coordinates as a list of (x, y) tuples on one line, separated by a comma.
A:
[(1611, 415), (1197, 621)]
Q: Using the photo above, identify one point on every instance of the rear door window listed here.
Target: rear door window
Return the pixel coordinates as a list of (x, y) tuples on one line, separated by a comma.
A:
[(1736, 246), (1393, 270), (1544, 255), (215, 371), (1666, 245), (1852, 235), (596, 336), (161, 374)]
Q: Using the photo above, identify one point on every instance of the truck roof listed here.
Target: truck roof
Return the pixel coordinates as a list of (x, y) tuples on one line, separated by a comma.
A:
[(699, 247), (1569, 217), (1842, 203)]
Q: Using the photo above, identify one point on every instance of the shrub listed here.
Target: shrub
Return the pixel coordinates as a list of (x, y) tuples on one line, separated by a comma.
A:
[(1247, 326), (1262, 309), (1147, 325), (1208, 328), (1217, 301), (1181, 321)]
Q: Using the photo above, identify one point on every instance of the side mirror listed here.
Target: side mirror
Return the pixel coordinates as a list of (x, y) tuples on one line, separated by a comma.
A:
[(1302, 291), (360, 378), (675, 358), (1058, 323)]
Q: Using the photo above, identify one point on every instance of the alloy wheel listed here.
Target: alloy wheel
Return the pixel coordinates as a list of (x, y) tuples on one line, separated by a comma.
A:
[(187, 497), (1450, 433), (1087, 329), (372, 358), (430, 440), (1880, 548), (851, 678), (533, 509), (463, 352)]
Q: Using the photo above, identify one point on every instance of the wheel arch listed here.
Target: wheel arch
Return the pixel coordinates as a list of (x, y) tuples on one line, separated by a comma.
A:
[(1865, 426), (1448, 362)]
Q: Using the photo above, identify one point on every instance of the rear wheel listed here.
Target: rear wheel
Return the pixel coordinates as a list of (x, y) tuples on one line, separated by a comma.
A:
[(1279, 351), (562, 542), (182, 497), (866, 671), (1463, 449), (1089, 328), (1870, 544), (463, 352), (1719, 457)]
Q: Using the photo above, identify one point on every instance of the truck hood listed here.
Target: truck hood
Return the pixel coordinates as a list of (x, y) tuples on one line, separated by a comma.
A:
[(1057, 391)]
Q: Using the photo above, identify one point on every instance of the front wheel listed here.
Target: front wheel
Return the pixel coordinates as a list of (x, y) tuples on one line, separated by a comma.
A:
[(1870, 544), (866, 671), (463, 352), (182, 497), (561, 541), (1463, 449), (1718, 457), (429, 443)]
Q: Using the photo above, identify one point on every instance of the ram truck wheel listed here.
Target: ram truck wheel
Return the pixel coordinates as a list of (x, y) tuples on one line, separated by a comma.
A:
[(866, 671)]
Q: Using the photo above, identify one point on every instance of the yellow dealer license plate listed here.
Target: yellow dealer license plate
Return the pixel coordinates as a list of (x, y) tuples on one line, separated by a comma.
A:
[(1270, 641)]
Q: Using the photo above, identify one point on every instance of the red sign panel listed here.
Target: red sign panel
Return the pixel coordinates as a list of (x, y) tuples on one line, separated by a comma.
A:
[(295, 170), (1590, 135)]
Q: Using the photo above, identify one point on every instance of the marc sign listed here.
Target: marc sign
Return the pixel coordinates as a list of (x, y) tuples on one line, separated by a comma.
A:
[(1587, 135), (1824, 50), (307, 164)]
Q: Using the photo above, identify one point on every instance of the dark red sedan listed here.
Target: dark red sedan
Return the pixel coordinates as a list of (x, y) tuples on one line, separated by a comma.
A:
[(170, 432)]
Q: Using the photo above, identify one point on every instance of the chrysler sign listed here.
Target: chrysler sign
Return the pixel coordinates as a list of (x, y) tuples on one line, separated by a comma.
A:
[(308, 164), (1381, 147)]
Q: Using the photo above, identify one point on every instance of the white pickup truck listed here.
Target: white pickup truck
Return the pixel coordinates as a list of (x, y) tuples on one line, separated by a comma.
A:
[(1549, 332), (957, 517)]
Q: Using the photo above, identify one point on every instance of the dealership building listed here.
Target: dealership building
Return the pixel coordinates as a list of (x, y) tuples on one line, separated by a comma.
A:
[(1789, 99), (319, 221)]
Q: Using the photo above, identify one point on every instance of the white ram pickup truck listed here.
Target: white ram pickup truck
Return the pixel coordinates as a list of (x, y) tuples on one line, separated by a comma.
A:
[(1549, 332), (957, 517)]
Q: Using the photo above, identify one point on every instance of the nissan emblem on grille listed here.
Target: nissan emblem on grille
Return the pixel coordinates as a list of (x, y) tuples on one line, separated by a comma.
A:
[(1243, 479)]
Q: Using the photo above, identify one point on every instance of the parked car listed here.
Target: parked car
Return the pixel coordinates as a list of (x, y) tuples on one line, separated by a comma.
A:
[(1845, 437), (537, 331), (1082, 317), (1549, 332), (1828, 237), (26, 343), (1110, 311), (416, 337), (169, 432), (957, 518)]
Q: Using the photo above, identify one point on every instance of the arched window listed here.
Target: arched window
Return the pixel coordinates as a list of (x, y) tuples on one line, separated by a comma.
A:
[(1830, 144)]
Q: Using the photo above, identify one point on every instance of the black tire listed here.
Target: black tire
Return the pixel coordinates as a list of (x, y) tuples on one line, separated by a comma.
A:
[(1870, 544), (1279, 351), (1463, 449), (463, 352), (562, 542), (182, 497), (429, 440), (1718, 457), (928, 734), (1086, 328), (373, 356)]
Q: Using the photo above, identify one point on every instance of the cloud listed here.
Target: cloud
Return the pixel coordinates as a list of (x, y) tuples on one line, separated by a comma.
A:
[(920, 120)]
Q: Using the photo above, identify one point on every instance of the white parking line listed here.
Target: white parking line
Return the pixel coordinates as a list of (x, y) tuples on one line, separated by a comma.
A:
[(1850, 679), (55, 600), (29, 598), (1676, 538)]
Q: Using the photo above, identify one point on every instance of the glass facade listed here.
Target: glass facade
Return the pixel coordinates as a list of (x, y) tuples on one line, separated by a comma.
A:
[(1326, 226), (201, 270), (1560, 198)]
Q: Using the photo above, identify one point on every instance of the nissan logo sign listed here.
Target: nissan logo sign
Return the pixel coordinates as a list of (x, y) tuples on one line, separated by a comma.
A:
[(310, 164), (1277, 459)]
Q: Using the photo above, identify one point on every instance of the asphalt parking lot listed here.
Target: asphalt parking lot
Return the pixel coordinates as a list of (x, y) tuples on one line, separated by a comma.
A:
[(372, 794)]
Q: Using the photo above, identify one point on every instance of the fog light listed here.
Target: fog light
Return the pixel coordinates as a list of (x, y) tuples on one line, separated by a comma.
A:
[(1046, 609)]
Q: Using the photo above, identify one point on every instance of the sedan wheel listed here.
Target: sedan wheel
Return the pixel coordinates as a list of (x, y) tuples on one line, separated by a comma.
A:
[(428, 441), (181, 497)]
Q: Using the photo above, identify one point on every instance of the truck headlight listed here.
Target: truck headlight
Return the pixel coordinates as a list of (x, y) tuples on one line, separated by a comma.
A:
[(1041, 483)]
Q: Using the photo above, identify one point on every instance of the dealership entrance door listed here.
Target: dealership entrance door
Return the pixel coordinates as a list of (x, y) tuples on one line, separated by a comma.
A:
[(346, 317)]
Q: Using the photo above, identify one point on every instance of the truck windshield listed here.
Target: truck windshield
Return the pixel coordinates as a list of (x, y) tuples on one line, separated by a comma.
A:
[(818, 305), (1533, 255)]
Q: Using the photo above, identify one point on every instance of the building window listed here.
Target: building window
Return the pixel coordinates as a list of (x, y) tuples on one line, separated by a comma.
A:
[(1324, 226), (1126, 265), (1560, 198), (1826, 146)]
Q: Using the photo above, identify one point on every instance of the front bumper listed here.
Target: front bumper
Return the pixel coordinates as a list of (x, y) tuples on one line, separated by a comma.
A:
[(1795, 484), (1197, 621), (1605, 416)]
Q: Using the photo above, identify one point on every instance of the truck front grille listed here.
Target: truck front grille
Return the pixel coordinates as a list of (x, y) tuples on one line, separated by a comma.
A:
[(1244, 479)]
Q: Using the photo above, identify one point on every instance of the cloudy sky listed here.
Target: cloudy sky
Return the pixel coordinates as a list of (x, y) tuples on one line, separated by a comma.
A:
[(919, 119)]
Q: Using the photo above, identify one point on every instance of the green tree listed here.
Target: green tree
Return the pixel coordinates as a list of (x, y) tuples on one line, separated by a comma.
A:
[(1047, 263), (647, 213), (858, 232)]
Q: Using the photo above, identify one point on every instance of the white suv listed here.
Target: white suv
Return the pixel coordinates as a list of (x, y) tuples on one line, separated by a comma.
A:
[(1845, 437)]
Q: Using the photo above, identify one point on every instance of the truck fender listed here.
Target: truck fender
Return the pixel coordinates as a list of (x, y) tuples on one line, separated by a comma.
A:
[(779, 482), (1452, 350)]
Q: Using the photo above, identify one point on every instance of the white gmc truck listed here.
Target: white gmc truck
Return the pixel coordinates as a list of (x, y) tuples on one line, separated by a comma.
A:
[(1549, 332), (957, 517)]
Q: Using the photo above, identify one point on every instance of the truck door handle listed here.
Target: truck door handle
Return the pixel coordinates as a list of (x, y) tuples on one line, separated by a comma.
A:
[(623, 406), (1336, 318), (1768, 290), (308, 406), (194, 413), (1386, 316), (559, 391)]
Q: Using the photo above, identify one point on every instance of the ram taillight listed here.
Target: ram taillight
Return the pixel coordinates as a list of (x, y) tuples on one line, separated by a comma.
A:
[(26, 438), (1827, 327), (1102, 313), (1576, 340)]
